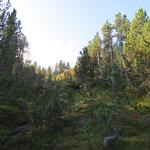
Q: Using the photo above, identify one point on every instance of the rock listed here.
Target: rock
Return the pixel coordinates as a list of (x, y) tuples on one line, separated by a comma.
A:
[(109, 139)]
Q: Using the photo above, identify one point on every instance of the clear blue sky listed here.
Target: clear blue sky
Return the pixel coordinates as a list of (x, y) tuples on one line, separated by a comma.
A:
[(59, 29)]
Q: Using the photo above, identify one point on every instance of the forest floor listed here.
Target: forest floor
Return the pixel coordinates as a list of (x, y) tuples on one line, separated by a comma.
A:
[(135, 134)]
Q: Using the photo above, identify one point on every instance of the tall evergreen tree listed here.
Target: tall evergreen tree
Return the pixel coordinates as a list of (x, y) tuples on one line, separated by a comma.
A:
[(136, 50), (13, 45), (95, 52), (83, 69), (108, 52), (121, 26), (132, 44)]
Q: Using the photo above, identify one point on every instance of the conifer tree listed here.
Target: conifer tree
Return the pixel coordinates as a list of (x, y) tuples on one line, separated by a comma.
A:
[(108, 52), (95, 52), (13, 46)]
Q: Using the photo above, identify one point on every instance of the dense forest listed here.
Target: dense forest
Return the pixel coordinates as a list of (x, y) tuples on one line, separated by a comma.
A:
[(101, 103)]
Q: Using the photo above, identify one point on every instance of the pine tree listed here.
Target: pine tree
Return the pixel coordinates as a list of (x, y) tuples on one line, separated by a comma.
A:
[(108, 52), (83, 69), (132, 44), (137, 52), (121, 26), (13, 45), (95, 52)]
